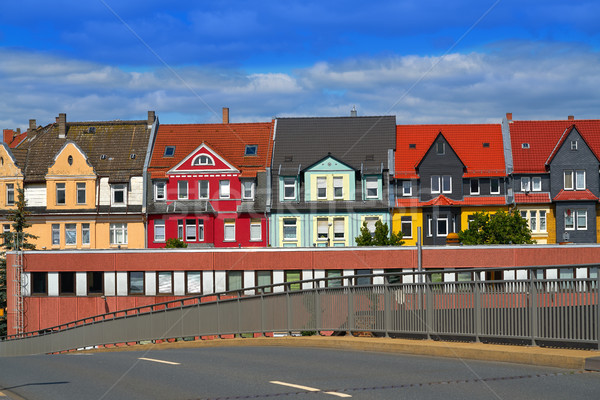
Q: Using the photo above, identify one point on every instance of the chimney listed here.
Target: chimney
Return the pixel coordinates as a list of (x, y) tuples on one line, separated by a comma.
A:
[(509, 117), (353, 112), (225, 115), (571, 117), (32, 124), (151, 118), (8, 136), (62, 125)]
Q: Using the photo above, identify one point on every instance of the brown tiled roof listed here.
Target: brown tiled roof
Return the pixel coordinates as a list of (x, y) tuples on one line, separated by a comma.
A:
[(227, 140), (116, 149)]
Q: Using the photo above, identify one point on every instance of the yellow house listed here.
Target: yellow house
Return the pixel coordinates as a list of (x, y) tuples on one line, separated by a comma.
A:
[(83, 183)]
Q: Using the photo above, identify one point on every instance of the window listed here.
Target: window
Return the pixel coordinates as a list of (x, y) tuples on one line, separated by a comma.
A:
[(66, 283), (193, 282), (60, 193), (569, 221), (169, 151), (533, 221), (525, 184), (338, 187), (85, 234), (474, 186), (190, 230), (524, 145), (247, 190), (182, 190), (435, 184), (429, 227), (440, 148), (580, 180), (406, 188), (338, 229), (5, 231), (568, 179), (255, 229), (321, 188), (289, 188), (333, 273), (10, 194), (164, 282), (372, 187), (363, 280), (180, 229), (536, 184), (224, 189), (80, 192), (55, 234), (442, 226), (203, 190), (95, 282), (322, 229), (251, 150), (542, 221), (581, 219), (406, 226), (235, 280), (264, 278), (39, 283), (229, 230), (200, 230), (203, 159), (371, 221), (136, 282), (71, 234), (446, 184), (118, 194), (118, 233), (573, 144), (159, 230), (494, 186), (159, 191), (289, 229)]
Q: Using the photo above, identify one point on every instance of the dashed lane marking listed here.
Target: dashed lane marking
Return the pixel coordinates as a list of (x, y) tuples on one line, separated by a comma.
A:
[(309, 389), (159, 361)]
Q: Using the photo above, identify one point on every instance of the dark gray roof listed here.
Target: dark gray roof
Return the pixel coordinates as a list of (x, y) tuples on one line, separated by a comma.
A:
[(181, 207), (356, 141)]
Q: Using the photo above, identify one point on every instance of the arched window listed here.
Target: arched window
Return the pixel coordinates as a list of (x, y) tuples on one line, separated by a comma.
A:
[(203, 159)]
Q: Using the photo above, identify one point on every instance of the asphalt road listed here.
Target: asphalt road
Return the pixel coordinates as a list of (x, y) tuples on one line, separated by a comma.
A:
[(282, 373)]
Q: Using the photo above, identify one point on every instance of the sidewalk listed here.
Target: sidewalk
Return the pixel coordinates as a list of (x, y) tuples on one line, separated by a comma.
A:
[(551, 357)]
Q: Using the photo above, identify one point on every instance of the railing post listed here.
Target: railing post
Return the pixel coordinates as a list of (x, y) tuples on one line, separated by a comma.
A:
[(350, 306), (477, 306), (387, 307), (598, 307), (533, 311), (262, 311), (317, 307), (288, 287), (428, 306), (218, 296)]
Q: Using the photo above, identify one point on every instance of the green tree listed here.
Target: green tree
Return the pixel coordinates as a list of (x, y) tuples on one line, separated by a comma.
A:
[(499, 228), (381, 236), (17, 239), (175, 243)]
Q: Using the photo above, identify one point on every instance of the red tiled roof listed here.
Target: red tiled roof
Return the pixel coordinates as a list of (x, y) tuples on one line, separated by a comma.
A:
[(566, 195), (543, 138), (465, 139), (227, 140), (521, 198), (442, 200)]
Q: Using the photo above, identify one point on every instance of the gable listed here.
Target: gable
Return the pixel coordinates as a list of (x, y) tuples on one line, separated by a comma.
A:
[(440, 155), (8, 164), (70, 161), (329, 164), (563, 153), (203, 159)]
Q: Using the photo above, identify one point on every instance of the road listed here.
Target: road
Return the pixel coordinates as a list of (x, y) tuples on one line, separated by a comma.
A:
[(282, 373)]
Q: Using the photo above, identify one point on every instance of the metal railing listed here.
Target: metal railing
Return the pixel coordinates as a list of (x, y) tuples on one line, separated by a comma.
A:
[(561, 312)]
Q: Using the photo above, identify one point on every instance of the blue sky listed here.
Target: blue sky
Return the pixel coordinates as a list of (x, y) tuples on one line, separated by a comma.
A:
[(423, 61)]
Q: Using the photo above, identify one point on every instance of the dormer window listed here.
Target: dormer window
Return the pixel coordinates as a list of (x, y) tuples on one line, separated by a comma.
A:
[(169, 151), (524, 145), (118, 194), (251, 150), (203, 159)]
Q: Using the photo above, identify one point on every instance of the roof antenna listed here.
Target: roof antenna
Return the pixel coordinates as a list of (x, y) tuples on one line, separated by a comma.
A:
[(353, 111)]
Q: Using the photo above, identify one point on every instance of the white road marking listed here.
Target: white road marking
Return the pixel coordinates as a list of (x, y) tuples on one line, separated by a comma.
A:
[(158, 361), (309, 389)]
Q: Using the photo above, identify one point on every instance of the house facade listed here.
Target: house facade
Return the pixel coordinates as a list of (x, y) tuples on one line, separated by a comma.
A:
[(444, 174), (208, 185), (330, 175), (82, 181)]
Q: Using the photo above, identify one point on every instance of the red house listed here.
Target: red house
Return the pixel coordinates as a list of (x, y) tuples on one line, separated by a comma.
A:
[(210, 184)]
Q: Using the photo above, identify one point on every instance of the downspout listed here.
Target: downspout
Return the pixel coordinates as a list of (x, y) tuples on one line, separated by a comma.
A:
[(149, 152)]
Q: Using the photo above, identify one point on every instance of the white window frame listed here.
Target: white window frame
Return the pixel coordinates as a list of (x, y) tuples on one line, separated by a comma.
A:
[(573, 217), (183, 190), (61, 187), (159, 226), (289, 182), (406, 188), (525, 184), (247, 184), (157, 197), (322, 228), (190, 231), (369, 182), (573, 144), (180, 229), (581, 213), (321, 187), (437, 227), (115, 229), (543, 217), (224, 189), (572, 178), (164, 282), (580, 179), (491, 186), (200, 194), (338, 186), (473, 180), (255, 230), (536, 184), (337, 223), (447, 178), (371, 221), (85, 231), (10, 194), (55, 234), (436, 184), (407, 222), (290, 225), (116, 188), (229, 230), (203, 159), (201, 230), (81, 191), (70, 230)]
